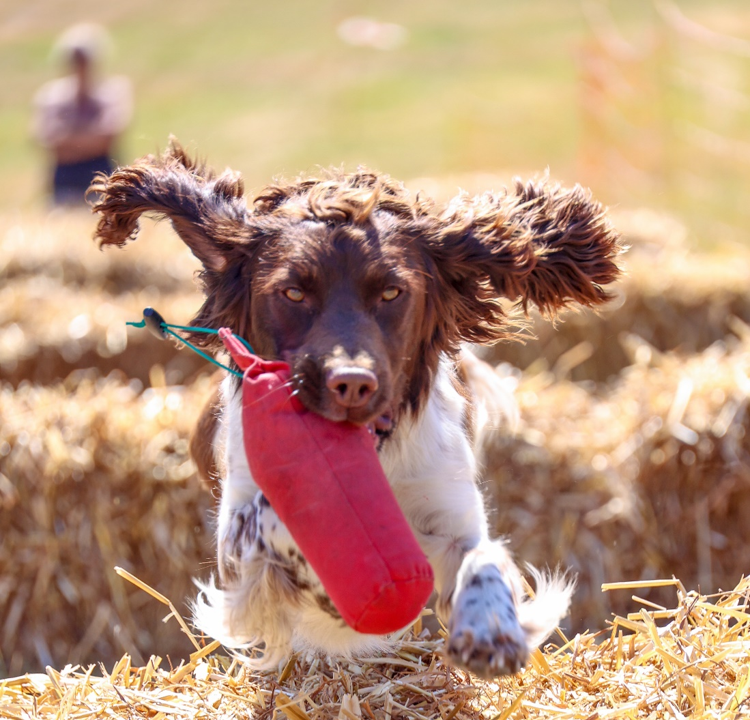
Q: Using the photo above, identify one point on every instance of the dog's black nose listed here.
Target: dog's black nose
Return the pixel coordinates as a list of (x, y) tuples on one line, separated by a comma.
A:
[(351, 386)]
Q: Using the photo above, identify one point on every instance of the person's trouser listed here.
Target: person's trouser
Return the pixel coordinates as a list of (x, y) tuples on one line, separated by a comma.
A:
[(71, 180)]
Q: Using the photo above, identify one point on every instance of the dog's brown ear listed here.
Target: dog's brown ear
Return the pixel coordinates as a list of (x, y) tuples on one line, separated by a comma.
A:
[(207, 212), (540, 244)]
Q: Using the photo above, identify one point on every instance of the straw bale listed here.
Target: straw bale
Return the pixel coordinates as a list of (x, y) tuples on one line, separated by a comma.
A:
[(690, 660), (93, 474), (58, 245), (51, 274), (681, 302), (644, 478), (51, 329), (64, 304)]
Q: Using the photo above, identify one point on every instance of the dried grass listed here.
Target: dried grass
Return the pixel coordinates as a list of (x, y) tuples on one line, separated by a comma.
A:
[(95, 474), (58, 245), (644, 478), (672, 298), (51, 329), (687, 661), (63, 303)]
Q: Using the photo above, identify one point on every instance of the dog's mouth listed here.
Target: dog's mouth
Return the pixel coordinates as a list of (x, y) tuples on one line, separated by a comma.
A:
[(381, 429), (380, 423), (376, 414)]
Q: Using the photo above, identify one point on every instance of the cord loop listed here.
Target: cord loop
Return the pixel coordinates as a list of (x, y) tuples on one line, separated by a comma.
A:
[(157, 326)]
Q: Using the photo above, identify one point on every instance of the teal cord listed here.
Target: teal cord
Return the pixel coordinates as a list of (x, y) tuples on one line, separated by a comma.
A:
[(208, 331), (200, 352), (165, 328)]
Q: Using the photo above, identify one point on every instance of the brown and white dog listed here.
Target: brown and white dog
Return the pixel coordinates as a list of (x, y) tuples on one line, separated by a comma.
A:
[(368, 293)]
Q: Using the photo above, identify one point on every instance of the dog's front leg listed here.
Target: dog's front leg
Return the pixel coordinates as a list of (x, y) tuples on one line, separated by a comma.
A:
[(237, 525), (486, 634), (492, 624), (480, 590), (261, 572)]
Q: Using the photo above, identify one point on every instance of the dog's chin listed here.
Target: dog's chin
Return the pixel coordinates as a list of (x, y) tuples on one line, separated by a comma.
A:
[(381, 419), (377, 420)]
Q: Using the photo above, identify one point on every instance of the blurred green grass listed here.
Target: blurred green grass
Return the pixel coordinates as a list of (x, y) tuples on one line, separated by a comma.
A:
[(269, 88)]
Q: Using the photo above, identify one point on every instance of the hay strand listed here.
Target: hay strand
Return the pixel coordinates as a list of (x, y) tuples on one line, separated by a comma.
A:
[(689, 661)]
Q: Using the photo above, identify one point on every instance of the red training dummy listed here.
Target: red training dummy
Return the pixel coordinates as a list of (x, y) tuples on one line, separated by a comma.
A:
[(325, 482)]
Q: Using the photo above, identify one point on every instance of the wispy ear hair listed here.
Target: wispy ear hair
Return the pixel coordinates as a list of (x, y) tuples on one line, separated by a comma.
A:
[(540, 244), (207, 211)]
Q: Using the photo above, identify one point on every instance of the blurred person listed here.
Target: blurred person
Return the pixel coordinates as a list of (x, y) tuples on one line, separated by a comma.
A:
[(79, 118)]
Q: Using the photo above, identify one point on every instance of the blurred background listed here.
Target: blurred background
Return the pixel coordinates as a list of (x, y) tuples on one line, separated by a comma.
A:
[(646, 100), (630, 460)]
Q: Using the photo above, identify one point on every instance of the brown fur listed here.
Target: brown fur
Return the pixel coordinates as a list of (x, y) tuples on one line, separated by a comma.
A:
[(203, 440), (344, 239), (463, 385)]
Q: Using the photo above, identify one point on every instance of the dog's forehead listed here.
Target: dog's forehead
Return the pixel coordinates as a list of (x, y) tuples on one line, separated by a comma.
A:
[(367, 246)]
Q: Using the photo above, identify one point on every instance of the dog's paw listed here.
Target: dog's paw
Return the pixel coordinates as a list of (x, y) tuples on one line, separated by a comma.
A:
[(485, 636)]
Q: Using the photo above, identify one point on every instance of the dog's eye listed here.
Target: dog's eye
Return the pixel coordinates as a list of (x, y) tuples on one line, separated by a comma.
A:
[(390, 293), (294, 294)]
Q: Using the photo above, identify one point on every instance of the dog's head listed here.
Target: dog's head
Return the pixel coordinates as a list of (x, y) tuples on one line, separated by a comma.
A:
[(339, 292), (353, 282)]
